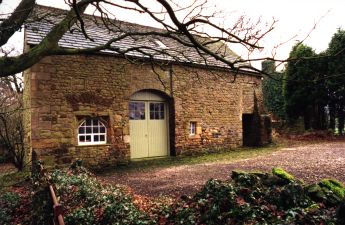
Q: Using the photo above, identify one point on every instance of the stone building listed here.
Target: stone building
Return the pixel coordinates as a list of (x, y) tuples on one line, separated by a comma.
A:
[(106, 110)]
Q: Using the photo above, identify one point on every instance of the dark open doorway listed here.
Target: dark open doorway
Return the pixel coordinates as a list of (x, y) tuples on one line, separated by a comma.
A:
[(251, 133)]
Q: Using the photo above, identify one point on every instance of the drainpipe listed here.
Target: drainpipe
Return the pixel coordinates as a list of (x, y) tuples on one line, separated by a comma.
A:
[(172, 114), (171, 80)]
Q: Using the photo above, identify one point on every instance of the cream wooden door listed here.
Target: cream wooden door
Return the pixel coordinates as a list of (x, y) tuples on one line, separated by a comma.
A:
[(138, 130), (148, 121), (157, 129)]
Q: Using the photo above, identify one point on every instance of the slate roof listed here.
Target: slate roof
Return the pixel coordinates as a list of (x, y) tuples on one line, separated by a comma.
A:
[(36, 30)]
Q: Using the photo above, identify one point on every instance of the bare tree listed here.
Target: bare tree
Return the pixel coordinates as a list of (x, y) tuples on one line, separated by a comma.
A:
[(187, 30), (11, 121)]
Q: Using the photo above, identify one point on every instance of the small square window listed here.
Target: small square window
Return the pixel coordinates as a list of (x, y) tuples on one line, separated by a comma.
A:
[(137, 111), (192, 128), (156, 111), (92, 132)]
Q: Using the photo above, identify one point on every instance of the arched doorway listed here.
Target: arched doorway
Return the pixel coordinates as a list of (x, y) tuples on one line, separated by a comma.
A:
[(149, 125)]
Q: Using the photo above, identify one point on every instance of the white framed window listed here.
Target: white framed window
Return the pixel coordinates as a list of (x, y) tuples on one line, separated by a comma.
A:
[(137, 110), (192, 128), (92, 132), (156, 111)]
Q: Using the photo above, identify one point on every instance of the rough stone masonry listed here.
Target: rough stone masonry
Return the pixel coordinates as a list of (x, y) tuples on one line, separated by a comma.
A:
[(60, 91)]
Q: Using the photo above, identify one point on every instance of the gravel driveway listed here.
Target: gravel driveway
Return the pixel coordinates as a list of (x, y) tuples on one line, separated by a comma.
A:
[(309, 162)]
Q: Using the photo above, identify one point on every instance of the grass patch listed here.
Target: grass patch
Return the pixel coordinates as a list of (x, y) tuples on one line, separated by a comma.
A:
[(221, 157)]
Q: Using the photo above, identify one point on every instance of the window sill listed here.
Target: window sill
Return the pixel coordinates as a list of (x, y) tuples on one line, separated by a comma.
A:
[(93, 145), (194, 136)]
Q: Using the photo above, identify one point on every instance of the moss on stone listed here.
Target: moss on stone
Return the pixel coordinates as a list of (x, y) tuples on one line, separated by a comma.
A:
[(335, 186), (315, 192), (279, 172), (313, 207)]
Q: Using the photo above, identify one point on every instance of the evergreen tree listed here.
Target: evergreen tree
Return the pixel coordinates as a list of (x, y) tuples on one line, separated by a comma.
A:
[(273, 89), (301, 86), (336, 78)]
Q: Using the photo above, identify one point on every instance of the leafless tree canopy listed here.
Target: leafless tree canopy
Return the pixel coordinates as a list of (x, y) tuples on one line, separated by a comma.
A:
[(181, 22), (11, 121)]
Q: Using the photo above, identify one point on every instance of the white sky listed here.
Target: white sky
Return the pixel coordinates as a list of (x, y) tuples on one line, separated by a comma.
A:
[(295, 17)]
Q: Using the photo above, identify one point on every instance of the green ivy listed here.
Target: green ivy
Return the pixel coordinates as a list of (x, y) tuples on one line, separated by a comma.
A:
[(8, 203), (83, 195)]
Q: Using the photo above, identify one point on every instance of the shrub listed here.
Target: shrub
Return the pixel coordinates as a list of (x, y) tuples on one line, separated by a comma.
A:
[(81, 216), (249, 198), (88, 202), (253, 198), (8, 203)]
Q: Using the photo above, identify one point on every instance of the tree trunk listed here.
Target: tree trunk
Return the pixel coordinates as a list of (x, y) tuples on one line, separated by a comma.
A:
[(341, 119), (323, 119), (307, 118), (331, 124)]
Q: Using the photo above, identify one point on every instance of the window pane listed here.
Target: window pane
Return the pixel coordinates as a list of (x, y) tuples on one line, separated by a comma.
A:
[(95, 122), (142, 116), (141, 106), (102, 130), (137, 111), (101, 137), (95, 130), (81, 130), (82, 138), (156, 111), (161, 115), (96, 138), (88, 130), (192, 127), (88, 138), (131, 106), (88, 122)]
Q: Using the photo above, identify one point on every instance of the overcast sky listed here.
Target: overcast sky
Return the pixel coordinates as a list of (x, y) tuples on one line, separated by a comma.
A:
[(295, 17)]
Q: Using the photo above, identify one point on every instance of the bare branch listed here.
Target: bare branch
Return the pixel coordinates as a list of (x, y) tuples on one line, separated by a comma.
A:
[(13, 23)]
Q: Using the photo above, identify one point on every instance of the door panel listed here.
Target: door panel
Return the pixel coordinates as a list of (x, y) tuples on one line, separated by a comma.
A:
[(138, 130), (157, 129)]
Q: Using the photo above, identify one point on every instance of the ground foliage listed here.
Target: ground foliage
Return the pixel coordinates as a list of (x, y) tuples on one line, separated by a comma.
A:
[(259, 198), (248, 198), (15, 206), (87, 201)]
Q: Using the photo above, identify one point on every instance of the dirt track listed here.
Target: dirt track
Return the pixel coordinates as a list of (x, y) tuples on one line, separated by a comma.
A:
[(309, 162)]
